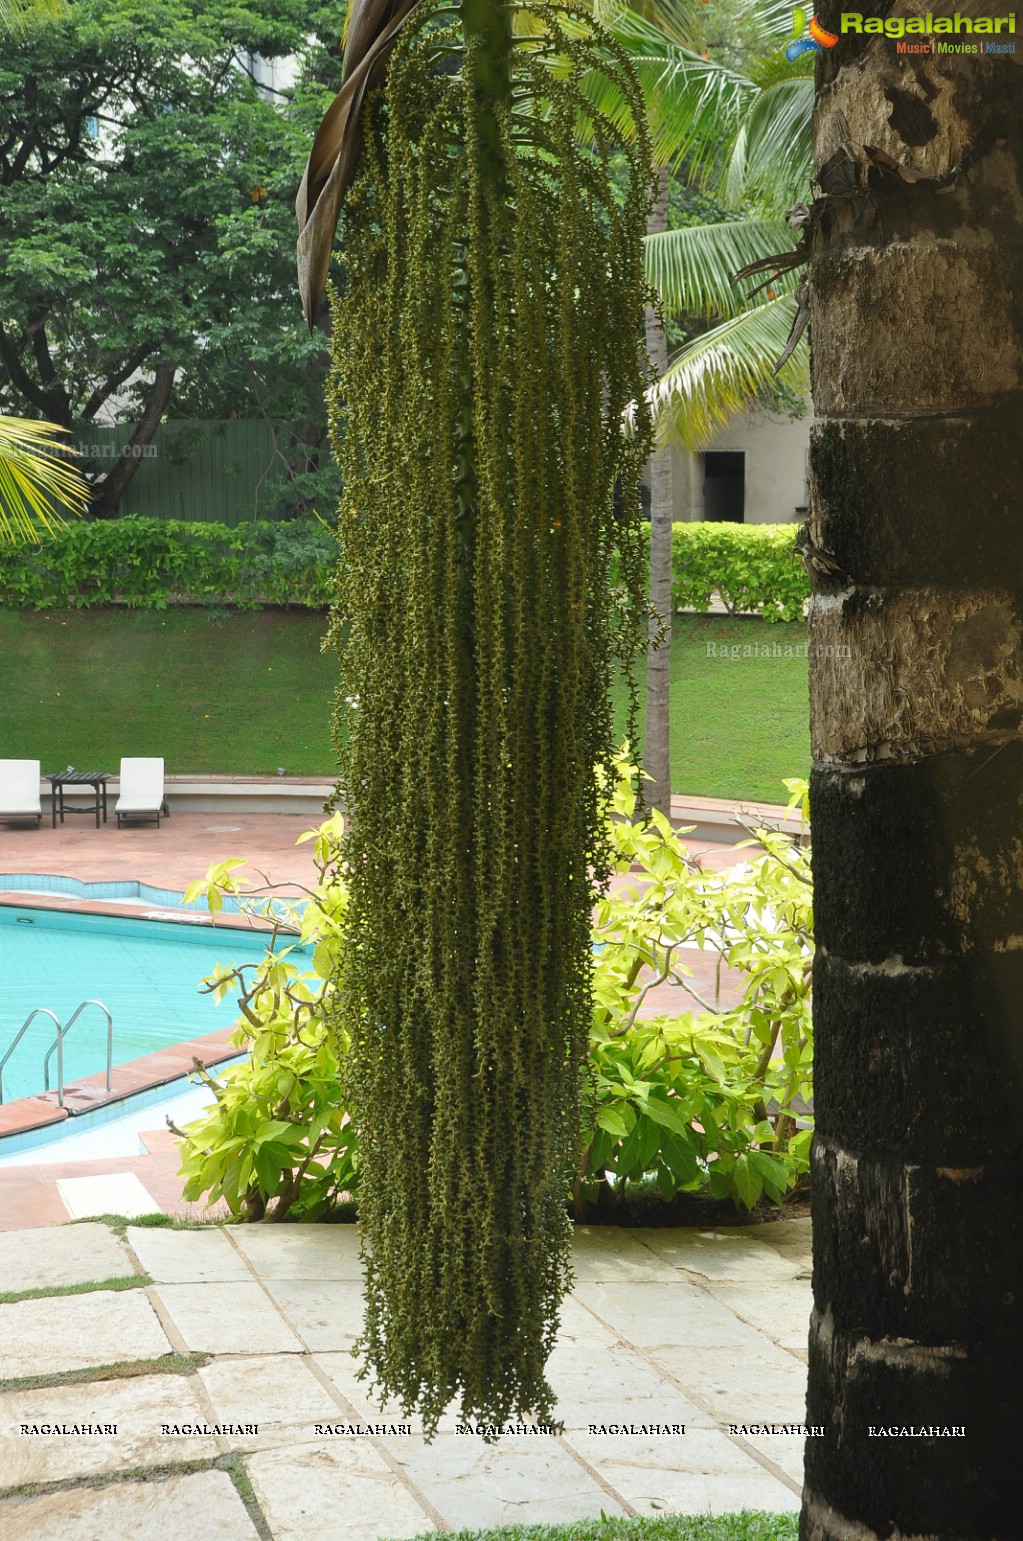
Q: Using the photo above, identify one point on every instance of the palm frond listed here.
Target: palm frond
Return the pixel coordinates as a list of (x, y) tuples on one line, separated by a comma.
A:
[(695, 106), (16, 15), (693, 269), (771, 160), (371, 30), (34, 483), (773, 19), (680, 21), (718, 374)]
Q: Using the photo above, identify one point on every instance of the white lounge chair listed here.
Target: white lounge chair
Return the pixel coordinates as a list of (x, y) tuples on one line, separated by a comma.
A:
[(141, 796), (19, 790)]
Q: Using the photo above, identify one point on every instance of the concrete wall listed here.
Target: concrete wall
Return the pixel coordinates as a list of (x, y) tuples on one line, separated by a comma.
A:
[(775, 450)]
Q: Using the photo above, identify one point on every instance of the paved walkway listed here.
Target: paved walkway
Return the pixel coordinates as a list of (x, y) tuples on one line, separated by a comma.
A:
[(218, 1399), (169, 857), (186, 843)]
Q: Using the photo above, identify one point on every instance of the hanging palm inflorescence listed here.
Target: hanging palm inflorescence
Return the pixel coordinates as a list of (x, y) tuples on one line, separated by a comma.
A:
[(487, 336)]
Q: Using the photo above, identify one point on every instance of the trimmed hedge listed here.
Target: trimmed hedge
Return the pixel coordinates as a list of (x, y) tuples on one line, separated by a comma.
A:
[(150, 563), (752, 567)]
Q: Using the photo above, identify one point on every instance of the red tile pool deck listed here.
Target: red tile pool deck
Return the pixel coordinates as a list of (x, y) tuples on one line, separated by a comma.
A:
[(171, 857)]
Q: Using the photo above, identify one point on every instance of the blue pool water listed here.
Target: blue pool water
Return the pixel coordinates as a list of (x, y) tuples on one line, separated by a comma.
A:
[(147, 973)]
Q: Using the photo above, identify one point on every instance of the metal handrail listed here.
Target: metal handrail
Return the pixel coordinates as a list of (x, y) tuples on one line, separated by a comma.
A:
[(58, 1044), (39, 1011)]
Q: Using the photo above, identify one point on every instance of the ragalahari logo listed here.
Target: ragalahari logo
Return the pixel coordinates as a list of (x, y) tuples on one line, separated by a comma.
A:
[(818, 39)]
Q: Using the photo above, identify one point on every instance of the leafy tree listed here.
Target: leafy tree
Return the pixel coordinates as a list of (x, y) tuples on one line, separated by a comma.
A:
[(31, 480), (147, 184), (916, 495)]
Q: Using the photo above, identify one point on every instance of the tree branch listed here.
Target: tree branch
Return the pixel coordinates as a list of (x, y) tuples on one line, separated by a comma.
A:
[(114, 485), (111, 383)]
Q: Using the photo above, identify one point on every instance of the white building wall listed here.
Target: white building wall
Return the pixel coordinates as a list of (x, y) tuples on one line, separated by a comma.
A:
[(775, 472)]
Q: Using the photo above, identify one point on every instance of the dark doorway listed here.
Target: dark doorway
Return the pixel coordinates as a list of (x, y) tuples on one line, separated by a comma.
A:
[(724, 486)]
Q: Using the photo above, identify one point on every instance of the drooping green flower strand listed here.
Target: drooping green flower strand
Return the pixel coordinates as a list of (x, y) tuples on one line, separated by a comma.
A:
[(486, 339)]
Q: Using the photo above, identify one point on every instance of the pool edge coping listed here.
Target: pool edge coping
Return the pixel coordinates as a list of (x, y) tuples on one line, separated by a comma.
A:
[(40, 1111), (88, 1094)]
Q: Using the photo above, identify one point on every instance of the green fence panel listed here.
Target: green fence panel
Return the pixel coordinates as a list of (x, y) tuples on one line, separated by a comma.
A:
[(211, 472)]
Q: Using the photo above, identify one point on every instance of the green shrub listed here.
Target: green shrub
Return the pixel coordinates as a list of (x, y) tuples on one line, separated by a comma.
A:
[(753, 568), (700, 1096), (148, 563), (277, 1139), (689, 1099)]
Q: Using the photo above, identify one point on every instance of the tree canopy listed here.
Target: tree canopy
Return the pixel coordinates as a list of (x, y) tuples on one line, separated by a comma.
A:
[(146, 192)]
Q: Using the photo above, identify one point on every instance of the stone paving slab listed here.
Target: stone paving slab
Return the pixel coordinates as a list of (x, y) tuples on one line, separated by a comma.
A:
[(342, 1370), (779, 1313), (787, 1236), (186, 1257), (70, 1332), (669, 1474), (120, 1193), (599, 1379), (311, 1492), (326, 1316), (683, 1330), (57, 1255), (226, 1318), (280, 1393), (761, 1384), (648, 1314), (319, 1252), (203, 1505), (720, 1254), (137, 1407), (631, 1258), (517, 1480), (785, 1451)]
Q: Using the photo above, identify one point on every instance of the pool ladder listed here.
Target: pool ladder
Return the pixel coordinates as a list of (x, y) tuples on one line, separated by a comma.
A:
[(58, 1044)]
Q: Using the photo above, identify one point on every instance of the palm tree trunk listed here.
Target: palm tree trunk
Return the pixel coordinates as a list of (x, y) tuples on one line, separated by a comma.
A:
[(916, 707), (656, 747)]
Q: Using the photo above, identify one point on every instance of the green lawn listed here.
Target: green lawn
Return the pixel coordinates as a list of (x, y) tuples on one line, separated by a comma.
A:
[(253, 692), (247, 694), (746, 1526), (739, 725)]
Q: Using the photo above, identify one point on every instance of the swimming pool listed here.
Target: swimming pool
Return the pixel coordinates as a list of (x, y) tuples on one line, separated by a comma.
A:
[(129, 891), (147, 973)]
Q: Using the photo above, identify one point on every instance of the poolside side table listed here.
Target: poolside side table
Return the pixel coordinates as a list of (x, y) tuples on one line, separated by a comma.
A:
[(95, 779)]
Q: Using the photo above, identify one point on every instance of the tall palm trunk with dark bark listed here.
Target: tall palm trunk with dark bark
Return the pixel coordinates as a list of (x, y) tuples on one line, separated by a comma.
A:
[(657, 739), (917, 794)]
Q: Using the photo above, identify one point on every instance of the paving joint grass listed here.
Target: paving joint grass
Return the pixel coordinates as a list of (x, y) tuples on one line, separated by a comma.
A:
[(131, 1281), (746, 1525), (156, 1221), (160, 1472), (124, 1369), (236, 1470)]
